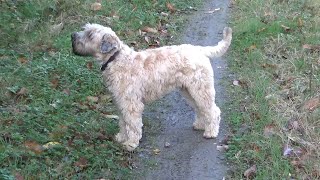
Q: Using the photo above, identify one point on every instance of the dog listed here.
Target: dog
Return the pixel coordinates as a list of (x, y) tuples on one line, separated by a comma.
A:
[(135, 78)]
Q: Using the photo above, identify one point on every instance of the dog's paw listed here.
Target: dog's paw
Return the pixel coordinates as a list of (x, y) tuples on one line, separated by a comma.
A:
[(210, 134), (130, 146)]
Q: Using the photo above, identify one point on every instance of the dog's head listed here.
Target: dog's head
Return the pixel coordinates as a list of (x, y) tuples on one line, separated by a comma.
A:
[(95, 40)]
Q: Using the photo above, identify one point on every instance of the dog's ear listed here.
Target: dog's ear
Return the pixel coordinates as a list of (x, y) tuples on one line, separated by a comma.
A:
[(108, 44)]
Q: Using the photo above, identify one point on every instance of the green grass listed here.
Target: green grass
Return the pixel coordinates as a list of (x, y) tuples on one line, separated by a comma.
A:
[(49, 95), (278, 77)]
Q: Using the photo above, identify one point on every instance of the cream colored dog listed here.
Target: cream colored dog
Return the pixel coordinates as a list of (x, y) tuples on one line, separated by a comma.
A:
[(135, 78)]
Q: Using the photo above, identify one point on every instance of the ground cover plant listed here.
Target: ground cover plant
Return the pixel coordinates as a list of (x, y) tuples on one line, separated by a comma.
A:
[(56, 120), (276, 89)]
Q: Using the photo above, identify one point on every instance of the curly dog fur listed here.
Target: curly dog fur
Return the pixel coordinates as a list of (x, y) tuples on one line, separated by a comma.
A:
[(135, 78)]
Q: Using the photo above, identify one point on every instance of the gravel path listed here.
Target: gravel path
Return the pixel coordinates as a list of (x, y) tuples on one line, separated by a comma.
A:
[(189, 155)]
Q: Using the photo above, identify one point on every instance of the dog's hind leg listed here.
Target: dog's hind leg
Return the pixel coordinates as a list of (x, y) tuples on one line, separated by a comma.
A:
[(198, 123), (208, 116)]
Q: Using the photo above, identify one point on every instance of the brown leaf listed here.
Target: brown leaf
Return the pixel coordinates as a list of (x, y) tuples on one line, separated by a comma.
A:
[(156, 151), (90, 65), (251, 48), (312, 104), (33, 146), (23, 60), (300, 22), (267, 65), (268, 130), (54, 83), (285, 28), (93, 99), (96, 6), (250, 172), (149, 30), (22, 92), (171, 8), (82, 162)]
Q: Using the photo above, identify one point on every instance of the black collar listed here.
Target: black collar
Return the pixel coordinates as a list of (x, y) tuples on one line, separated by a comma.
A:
[(105, 65)]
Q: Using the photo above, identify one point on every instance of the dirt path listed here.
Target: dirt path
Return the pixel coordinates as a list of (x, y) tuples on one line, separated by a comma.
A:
[(189, 155)]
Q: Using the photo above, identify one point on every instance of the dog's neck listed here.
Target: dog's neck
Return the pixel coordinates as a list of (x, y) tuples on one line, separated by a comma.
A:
[(112, 58)]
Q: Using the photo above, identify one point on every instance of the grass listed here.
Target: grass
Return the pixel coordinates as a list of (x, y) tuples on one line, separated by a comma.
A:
[(54, 112), (276, 119)]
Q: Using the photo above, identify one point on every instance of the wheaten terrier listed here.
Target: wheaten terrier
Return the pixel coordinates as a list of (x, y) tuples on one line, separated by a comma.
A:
[(135, 78)]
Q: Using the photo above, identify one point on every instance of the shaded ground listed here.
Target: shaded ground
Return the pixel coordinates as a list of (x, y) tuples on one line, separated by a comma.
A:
[(189, 155)]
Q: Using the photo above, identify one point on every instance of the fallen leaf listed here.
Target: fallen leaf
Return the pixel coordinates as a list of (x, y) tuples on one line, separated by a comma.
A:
[(267, 13), (82, 162), (56, 28), (222, 148), (90, 65), (156, 151), (213, 11), (261, 30), (146, 38), (111, 116), (93, 99), (171, 8), (149, 30), (96, 6), (50, 145), (164, 14), (251, 48), (312, 104), (167, 144), (54, 83), (269, 130), (22, 92), (33, 146), (293, 125), (250, 172), (241, 83), (23, 60), (236, 83), (297, 163), (300, 22), (285, 28), (267, 65), (287, 150)]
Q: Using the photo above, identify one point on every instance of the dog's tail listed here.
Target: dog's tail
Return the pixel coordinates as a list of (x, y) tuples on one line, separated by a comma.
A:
[(222, 47)]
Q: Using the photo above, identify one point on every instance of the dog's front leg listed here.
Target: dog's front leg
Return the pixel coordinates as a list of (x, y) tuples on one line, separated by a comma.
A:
[(122, 136), (131, 126)]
